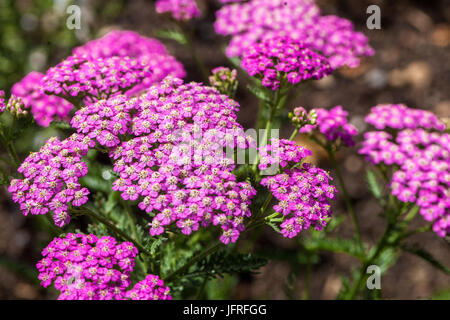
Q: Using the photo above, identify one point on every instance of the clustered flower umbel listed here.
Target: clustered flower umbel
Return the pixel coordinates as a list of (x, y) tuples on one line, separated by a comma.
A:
[(413, 141), (124, 43), (51, 179), (44, 108), (87, 267), (89, 79), (179, 9), (171, 161), (224, 79), (252, 22), (277, 58), (334, 125), (281, 152), (302, 190)]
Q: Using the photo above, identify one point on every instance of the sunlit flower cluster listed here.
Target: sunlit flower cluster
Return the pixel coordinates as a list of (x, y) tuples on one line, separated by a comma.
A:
[(87, 267), (51, 179), (44, 108), (420, 159), (281, 60), (179, 9), (333, 125), (175, 165), (131, 44), (253, 21), (302, 195), (90, 80)]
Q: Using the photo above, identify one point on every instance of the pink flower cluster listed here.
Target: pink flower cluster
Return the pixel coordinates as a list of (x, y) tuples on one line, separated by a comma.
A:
[(302, 195), (105, 120), (95, 79), (281, 152), (174, 162), (131, 44), (179, 9), (253, 21), (420, 159), (44, 108), (399, 116), (85, 267), (151, 288), (275, 58), (224, 79), (333, 124), (51, 177)]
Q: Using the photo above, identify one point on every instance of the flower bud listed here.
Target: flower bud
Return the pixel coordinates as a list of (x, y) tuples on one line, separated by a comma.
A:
[(225, 80)]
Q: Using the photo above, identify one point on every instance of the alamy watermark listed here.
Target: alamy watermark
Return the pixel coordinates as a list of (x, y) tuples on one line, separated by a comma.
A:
[(374, 280), (374, 20)]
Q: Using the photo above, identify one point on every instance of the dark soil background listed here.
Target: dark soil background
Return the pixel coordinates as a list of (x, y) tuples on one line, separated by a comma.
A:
[(411, 65)]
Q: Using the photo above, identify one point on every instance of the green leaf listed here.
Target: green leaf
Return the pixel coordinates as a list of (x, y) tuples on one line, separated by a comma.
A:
[(338, 245), (422, 253), (261, 93), (222, 262), (274, 227), (172, 35), (373, 185)]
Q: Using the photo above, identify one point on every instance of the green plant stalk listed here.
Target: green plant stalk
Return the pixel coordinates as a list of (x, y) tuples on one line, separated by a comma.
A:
[(384, 243), (130, 217), (96, 217), (213, 248), (347, 200), (193, 52)]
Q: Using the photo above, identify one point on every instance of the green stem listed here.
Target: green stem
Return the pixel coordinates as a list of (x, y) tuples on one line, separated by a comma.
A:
[(96, 217), (213, 248), (347, 200), (191, 48), (130, 219)]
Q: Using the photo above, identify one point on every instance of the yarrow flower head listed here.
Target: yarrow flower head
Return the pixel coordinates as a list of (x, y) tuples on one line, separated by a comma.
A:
[(94, 79), (281, 153), (300, 117), (87, 267), (280, 59), (51, 179), (174, 165), (179, 9), (151, 288), (44, 108), (131, 44), (105, 120), (302, 195), (333, 124), (420, 159), (399, 116), (224, 79), (256, 20)]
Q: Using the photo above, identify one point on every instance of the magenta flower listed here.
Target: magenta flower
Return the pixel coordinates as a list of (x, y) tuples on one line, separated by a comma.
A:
[(302, 195), (131, 44), (174, 163), (85, 267), (51, 178), (333, 124), (419, 158), (95, 79), (277, 58), (256, 20), (44, 108), (179, 9)]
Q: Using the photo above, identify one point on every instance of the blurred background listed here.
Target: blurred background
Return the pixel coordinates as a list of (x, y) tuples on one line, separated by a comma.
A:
[(411, 65)]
